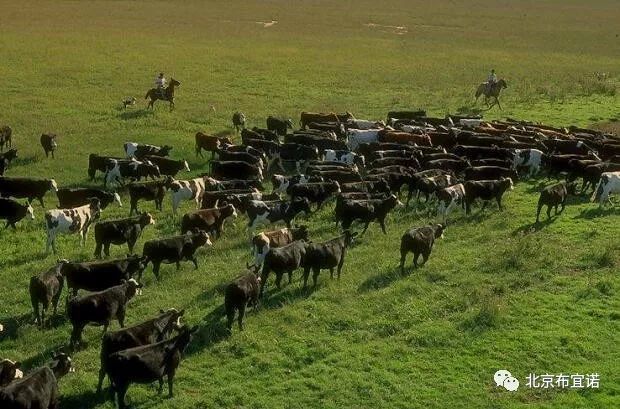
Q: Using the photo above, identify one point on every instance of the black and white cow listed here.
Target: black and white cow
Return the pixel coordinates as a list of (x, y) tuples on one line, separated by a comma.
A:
[(184, 190), (6, 159), (281, 183), (528, 158), (350, 158), (120, 231), (13, 211), (261, 213), (139, 151), (26, 188), (45, 289), (449, 198), (73, 197), (608, 184), (73, 220), (262, 242), (119, 170), (98, 163), (9, 371)]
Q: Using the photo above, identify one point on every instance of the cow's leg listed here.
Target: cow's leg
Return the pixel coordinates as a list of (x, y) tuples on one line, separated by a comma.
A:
[(499, 202), (549, 211), (306, 275), (278, 280), (106, 249), (540, 205), (195, 261), (41, 201), (35, 309), (161, 385), (331, 273), (121, 317), (241, 314), (170, 381), (315, 275), (121, 391), (178, 264), (230, 316), (415, 259), (76, 335), (556, 208), (563, 204), (156, 265), (365, 227), (97, 249), (425, 255), (403, 256), (290, 277), (382, 224)]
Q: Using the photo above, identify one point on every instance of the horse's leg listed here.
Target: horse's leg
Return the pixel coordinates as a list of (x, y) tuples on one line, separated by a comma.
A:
[(498, 104)]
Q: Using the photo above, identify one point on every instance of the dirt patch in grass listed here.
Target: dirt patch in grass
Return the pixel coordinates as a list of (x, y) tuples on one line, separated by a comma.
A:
[(612, 127)]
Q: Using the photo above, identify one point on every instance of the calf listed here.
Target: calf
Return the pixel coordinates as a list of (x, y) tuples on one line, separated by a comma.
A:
[(262, 242), (417, 177), (119, 170), (45, 289), (141, 151), (367, 211), (9, 370), (347, 157), (74, 197), (486, 190), (148, 332), (489, 173), (48, 142), (73, 220), (280, 260), (149, 191), (209, 220), (100, 308), (38, 389), (235, 170), (147, 364), (552, 196), (175, 249), (209, 143), (120, 231), (329, 254), (609, 183), (168, 167), (261, 213), (13, 211), (315, 192), (431, 185), (281, 183), (193, 189), (448, 198), (419, 241), (529, 158), (279, 125), (238, 121), (241, 292), (26, 188)]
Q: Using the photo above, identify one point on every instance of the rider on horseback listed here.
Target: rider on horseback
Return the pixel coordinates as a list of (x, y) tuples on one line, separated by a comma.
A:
[(160, 83), (492, 80)]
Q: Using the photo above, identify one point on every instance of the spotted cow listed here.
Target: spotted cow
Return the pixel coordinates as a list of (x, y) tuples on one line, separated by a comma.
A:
[(74, 220)]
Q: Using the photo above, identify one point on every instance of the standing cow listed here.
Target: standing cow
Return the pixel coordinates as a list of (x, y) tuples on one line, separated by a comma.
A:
[(67, 221), (419, 241)]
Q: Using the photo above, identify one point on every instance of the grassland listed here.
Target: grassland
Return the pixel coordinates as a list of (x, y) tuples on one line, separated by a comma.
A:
[(496, 293)]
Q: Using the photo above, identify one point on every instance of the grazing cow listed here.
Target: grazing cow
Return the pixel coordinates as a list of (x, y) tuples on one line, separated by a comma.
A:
[(347, 157), (238, 121), (101, 275), (45, 289), (379, 186), (38, 389), (100, 308), (141, 151), (241, 292), (168, 167), (26, 188), (262, 242), (279, 125), (73, 220), (486, 190), (6, 137), (235, 170), (355, 137), (147, 364), (553, 196), (48, 142), (280, 260), (430, 185), (448, 198), (608, 183), (489, 173), (261, 213), (209, 220), (226, 155), (99, 163), (329, 254), (149, 191), (154, 330), (315, 192), (281, 183), (128, 101), (529, 158), (13, 211), (367, 211), (193, 189), (9, 371), (6, 159), (419, 241), (118, 170), (209, 143), (175, 249), (120, 231), (74, 197)]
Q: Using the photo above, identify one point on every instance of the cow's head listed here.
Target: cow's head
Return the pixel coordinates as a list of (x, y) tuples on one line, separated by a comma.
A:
[(133, 287), (167, 321), (200, 238), (146, 219), (9, 370), (289, 123), (29, 211), (301, 204), (165, 150), (52, 185), (301, 231), (439, 229), (136, 264), (349, 237), (61, 365), (183, 339), (117, 199), (95, 207)]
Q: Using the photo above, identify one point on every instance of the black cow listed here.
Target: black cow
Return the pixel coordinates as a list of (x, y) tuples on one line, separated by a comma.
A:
[(168, 167), (149, 191), (38, 389), (99, 163), (417, 177), (492, 162), (235, 170), (12, 211), (48, 142), (482, 152), (9, 370), (101, 275), (75, 197), (455, 166), (100, 308), (148, 332), (262, 242), (384, 162), (269, 148), (26, 188), (45, 289), (279, 125), (260, 213), (210, 199), (120, 231), (419, 241), (329, 254), (241, 292), (554, 196), (146, 364), (175, 249), (367, 211), (226, 155), (140, 151), (119, 170), (256, 133), (247, 149), (315, 192), (322, 143), (238, 121), (298, 153), (230, 184), (280, 260), (430, 185), (6, 159), (380, 186), (486, 190), (281, 183), (5, 137), (209, 220), (489, 173), (267, 134)]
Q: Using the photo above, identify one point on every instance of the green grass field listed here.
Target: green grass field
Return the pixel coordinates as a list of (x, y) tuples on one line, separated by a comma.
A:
[(496, 293)]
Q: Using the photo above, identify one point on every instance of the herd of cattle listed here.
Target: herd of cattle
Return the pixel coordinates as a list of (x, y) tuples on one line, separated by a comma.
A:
[(362, 165)]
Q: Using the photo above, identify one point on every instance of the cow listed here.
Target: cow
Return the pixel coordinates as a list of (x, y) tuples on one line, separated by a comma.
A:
[(100, 308), (329, 254), (149, 191), (74, 197), (26, 188), (147, 364), (238, 121), (12, 211), (419, 241), (262, 242), (298, 153), (430, 185), (315, 192), (609, 150), (183, 190), (591, 174), (119, 170), (100, 275), (364, 124), (6, 137), (308, 117), (72, 220), (558, 164), (417, 114), (394, 179), (279, 125), (393, 153), (416, 177), (321, 142), (489, 173), (168, 167), (336, 128), (235, 170), (553, 196), (48, 143), (608, 183), (154, 330), (39, 388), (9, 371), (141, 151), (212, 198), (440, 155), (448, 198), (120, 231), (529, 158), (99, 163), (568, 147), (367, 211), (455, 166), (347, 157), (241, 292), (247, 149), (482, 152), (281, 183), (355, 137), (281, 260), (269, 148), (230, 184), (45, 290), (338, 175), (209, 220), (261, 213), (384, 162), (6, 159), (226, 155), (486, 190), (266, 134), (175, 249), (403, 137), (209, 143), (502, 163)]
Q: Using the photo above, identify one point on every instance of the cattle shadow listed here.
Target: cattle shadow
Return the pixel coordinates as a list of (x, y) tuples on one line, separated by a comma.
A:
[(86, 399), (275, 299), (45, 356), (533, 227), (24, 160), (135, 114), (211, 331), (596, 212), (383, 280), (12, 325)]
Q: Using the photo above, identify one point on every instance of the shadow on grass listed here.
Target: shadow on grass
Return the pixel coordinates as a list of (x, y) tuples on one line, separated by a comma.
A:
[(383, 280), (45, 356), (12, 324), (211, 331), (24, 160), (86, 399), (134, 114), (596, 212), (534, 227)]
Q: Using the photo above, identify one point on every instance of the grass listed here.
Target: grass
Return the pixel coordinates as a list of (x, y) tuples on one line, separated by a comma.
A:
[(497, 292)]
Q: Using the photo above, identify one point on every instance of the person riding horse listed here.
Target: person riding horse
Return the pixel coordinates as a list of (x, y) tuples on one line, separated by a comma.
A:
[(491, 80), (160, 84)]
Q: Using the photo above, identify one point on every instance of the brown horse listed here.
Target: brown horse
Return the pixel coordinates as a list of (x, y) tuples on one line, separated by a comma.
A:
[(493, 92), (166, 95)]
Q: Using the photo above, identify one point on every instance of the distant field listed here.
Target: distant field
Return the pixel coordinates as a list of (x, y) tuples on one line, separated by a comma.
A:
[(495, 294)]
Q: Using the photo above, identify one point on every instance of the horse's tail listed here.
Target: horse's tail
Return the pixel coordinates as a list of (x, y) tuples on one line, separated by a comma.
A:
[(479, 90)]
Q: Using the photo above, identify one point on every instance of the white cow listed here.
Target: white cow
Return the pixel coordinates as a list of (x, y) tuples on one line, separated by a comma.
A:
[(530, 158), (470, 122), (448, 198), (357, 136), (365, 124), (193, 189), (350, 158), (608, 183), (67, 221)]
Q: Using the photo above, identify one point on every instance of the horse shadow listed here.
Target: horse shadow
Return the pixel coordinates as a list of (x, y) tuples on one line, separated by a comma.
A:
[(383, 280), (135, 114)]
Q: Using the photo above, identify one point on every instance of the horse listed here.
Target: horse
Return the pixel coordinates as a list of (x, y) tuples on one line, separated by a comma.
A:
[(494, 92), (166, 95)]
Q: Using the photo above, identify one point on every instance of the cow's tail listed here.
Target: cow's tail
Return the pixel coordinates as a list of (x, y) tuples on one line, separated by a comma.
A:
[(599, 189)]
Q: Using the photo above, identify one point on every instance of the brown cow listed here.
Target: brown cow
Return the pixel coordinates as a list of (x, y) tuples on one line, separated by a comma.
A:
[(210, 143)]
